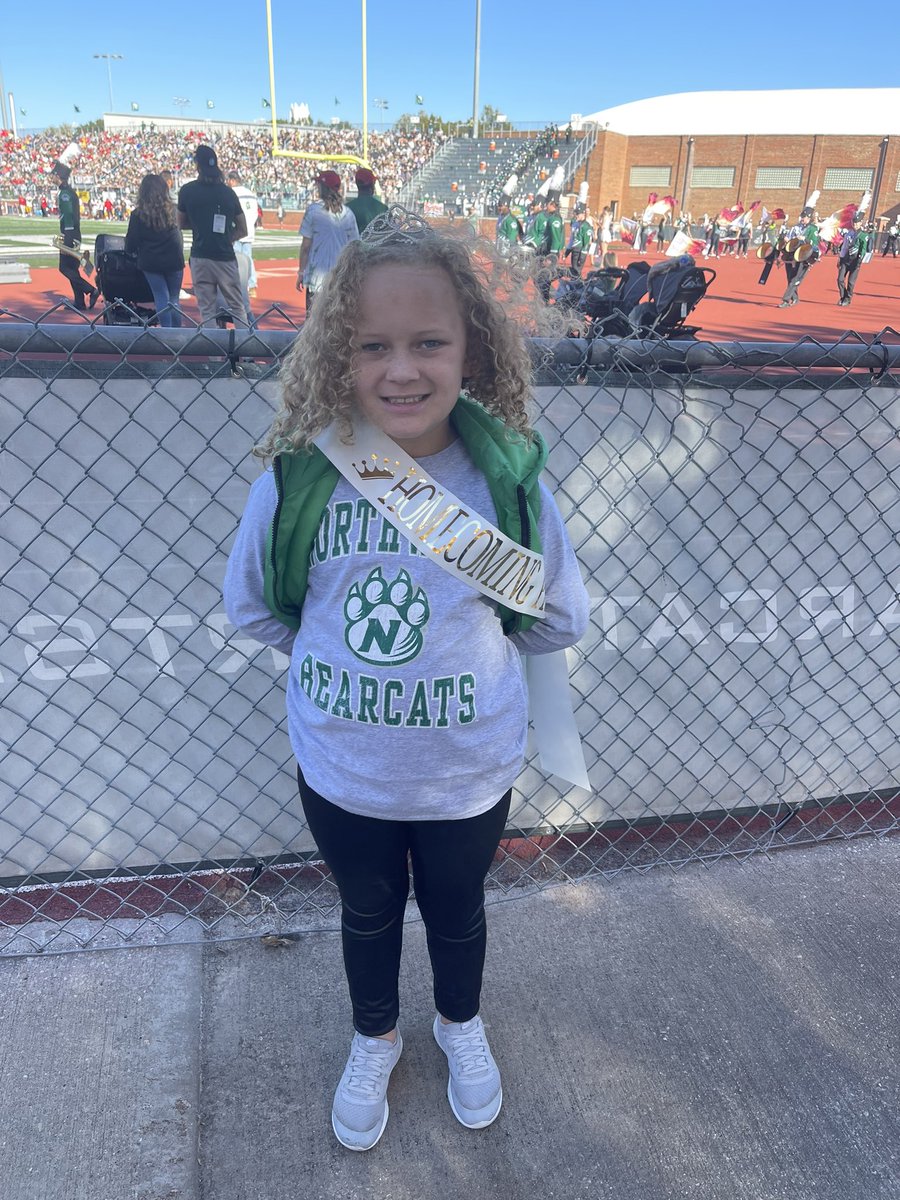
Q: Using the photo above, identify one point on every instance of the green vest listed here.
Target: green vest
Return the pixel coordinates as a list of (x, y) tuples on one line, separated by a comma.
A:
[(305, 480)]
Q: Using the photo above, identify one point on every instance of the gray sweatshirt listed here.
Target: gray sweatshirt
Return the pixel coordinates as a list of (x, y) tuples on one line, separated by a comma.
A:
[(404, 698)]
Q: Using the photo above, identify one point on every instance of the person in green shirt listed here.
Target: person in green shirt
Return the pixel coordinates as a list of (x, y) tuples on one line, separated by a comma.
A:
[(805, 233), (508, 231), (580, 235), (535, 225), (557, 240), (554, 241), (69, 207), (855, 243), (365, 206)]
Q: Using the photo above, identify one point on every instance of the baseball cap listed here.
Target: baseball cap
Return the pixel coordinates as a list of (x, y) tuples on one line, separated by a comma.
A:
[(365, 177), (329, 179), (205, 156)]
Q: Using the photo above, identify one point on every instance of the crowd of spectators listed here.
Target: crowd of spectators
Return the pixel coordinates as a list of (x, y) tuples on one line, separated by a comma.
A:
[(112, 163)]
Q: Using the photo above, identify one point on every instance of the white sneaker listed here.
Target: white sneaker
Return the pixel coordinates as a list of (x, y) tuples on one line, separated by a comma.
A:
[(474, 1088), (360, 1110)]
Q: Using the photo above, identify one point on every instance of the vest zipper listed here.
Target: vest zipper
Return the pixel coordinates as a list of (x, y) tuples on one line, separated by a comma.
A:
[(279, 491), (524, 518), (525, 529)]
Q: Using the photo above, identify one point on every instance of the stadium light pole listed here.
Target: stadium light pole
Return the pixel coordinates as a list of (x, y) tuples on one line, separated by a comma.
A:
[(477, 67), (109, 59), (879, 178), (365, 88), (688, 171)]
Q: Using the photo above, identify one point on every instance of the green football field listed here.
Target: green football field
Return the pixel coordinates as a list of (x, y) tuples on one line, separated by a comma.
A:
[(27, 239)]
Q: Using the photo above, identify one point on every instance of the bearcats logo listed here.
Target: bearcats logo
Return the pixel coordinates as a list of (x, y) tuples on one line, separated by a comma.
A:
[(385, 619)]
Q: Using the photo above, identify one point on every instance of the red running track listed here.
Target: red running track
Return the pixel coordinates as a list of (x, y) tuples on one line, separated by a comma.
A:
[(736, 308)]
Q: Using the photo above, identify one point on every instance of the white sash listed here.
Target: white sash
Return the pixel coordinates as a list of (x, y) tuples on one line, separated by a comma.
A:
[(466, 545), (433, 519)]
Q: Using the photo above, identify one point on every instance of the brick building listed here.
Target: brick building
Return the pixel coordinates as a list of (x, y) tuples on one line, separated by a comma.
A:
[(710, 149)]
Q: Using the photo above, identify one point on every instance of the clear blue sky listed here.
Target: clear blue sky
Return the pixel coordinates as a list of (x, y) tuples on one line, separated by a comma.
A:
[(539, 61)]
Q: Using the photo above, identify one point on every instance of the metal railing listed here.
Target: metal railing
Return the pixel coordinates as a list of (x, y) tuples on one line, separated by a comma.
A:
[(736, 512)]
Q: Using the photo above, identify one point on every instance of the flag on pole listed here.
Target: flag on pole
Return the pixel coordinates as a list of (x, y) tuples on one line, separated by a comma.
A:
[(23, 112), (336, 100), (419, 99), (134, 106), (683, 243), (77, 109), (265, 102), (209, 104)]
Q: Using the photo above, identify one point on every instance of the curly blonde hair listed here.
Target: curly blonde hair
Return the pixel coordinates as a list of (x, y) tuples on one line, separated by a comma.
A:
[(318, 375)]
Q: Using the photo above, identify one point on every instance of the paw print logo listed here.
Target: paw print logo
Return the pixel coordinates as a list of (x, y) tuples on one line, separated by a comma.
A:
[(385, 619)]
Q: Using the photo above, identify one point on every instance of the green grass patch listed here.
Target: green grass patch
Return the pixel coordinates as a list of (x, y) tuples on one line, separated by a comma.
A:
[(27, 239)]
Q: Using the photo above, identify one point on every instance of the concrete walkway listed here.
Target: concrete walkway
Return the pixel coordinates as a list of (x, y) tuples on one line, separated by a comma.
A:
[(725, 1033)]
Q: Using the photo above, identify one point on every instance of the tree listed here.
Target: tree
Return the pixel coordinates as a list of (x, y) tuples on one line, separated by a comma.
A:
[(491, 118)]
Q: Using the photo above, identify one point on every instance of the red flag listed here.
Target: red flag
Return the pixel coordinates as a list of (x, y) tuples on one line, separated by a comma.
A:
[(777, 214), (729, 214)]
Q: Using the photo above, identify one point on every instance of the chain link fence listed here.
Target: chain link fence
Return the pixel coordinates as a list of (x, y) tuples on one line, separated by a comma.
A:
[(736, 511)]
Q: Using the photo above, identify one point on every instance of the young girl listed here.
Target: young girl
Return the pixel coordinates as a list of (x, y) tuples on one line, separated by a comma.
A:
[(406, 698)]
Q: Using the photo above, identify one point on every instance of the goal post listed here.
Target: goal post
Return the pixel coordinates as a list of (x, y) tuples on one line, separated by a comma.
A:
[(277, 151)]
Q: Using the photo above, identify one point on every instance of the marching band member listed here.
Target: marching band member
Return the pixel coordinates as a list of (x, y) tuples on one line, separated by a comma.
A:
[(854, 245), (804, 233), (69, 208)]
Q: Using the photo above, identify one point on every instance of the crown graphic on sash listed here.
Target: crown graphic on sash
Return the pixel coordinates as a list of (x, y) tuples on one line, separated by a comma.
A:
[(364, 471)]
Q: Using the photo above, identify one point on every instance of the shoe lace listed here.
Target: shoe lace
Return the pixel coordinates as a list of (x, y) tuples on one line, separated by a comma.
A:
[(366, 1071), (470, 1053)]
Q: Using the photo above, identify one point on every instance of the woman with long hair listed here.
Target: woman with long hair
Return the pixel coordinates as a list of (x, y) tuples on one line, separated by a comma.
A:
[(154, 238), (328, 225)]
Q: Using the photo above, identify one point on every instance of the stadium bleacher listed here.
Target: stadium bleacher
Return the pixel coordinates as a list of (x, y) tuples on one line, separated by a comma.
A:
[(473, 171)]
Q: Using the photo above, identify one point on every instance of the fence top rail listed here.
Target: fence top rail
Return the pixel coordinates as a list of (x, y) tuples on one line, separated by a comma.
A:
[(38, 340)]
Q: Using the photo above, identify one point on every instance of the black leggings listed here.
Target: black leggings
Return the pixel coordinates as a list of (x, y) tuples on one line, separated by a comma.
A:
[(368, 858)]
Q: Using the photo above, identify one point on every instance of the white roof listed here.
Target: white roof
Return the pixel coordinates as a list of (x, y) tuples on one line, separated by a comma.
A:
[(802, 111)]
